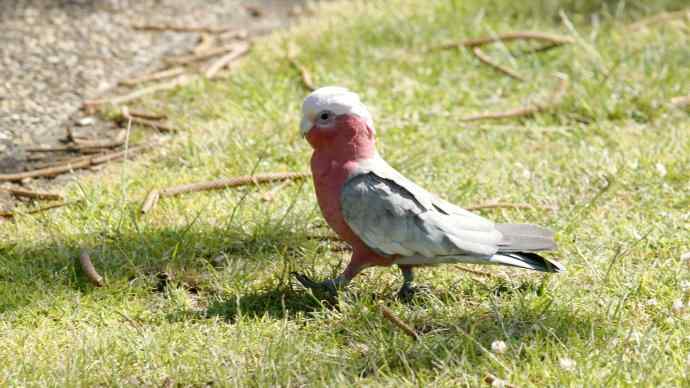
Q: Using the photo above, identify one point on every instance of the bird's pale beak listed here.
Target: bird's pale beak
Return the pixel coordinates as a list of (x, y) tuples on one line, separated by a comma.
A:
[(305, 126)]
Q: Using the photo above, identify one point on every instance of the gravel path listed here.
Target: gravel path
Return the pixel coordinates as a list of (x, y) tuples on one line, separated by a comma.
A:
[(56, 53)]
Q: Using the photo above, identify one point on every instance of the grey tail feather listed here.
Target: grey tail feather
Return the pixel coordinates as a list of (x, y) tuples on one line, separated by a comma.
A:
[(527, 260), (525, 238)]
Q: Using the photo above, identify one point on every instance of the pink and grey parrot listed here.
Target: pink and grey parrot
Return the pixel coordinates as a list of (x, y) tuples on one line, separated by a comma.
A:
[(388, 219)]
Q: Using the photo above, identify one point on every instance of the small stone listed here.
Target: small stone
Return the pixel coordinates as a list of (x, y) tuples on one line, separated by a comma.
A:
[(652, 302), (85, 121), (678, 306), (567, 364), (499, 347), (661, 169)]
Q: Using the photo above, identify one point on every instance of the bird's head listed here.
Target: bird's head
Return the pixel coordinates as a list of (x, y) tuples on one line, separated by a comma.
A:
[(333, 118)]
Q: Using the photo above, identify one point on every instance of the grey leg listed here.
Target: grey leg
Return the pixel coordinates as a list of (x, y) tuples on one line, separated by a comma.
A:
[(330, 286), (408, 289)]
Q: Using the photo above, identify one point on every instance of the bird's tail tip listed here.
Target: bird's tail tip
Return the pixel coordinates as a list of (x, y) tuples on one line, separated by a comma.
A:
[(528, 260)]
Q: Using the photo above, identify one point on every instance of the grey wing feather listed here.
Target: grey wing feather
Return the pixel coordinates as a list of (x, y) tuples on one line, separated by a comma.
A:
[(393, 216)]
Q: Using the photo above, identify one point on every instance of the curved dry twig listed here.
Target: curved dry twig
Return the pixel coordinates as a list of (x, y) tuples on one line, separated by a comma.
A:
[(552, 39), (407, 329), (487, 60), (529, 110), (89, 269)]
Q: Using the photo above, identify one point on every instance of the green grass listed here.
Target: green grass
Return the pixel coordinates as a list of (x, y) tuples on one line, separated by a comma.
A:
[(614, 158)]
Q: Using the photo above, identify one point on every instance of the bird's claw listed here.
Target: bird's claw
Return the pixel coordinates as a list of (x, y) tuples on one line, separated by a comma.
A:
[(409, 290), (327, 286)]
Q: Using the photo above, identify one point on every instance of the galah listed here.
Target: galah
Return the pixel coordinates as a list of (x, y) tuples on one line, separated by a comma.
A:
[(388, 219)]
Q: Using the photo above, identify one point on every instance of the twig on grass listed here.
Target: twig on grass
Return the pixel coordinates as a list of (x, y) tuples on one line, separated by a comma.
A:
[(552, 39), (407, 329), (126, 116), (210, 53), (660, 18), (89, 269), (506, 205), (169, 27), (17, 192), (184, 79), (680, 101), (147, 115), (205, 42), (304, 74), (74, 164), (155, 76), (6, 214), (240, 49), (529, 110), (151, 199), (487, 60)]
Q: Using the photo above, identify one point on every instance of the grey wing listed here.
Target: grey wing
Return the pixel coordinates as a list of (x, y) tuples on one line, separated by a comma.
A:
[(395, 218)]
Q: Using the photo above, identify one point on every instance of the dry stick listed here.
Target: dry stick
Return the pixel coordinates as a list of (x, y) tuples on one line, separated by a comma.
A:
[(89, 269), (507, 37), (168, 27), (491, 379), (205, 43), (163, 127), (147, 115), (487, 60), (398, 322), (305, 76), (155, 76), (210, 53), (660, 18), (219, 184), (181, 80), (475, 272), (72, 165), (150, 201), (506, 205), (253, 10), (554, 100), (38, 210), (680, 101), (239, 50), (17, 192)]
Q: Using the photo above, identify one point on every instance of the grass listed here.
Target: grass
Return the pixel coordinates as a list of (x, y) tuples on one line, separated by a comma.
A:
[(613, 157)]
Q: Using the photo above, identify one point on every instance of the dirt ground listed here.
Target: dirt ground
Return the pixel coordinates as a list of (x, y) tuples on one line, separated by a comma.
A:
[(54, 54)]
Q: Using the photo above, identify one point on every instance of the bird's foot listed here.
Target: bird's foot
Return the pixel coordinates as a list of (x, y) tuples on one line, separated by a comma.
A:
[(409, 290), (328, 286)]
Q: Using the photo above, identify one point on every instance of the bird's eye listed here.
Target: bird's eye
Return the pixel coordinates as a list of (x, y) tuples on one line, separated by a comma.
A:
[(325, 117)]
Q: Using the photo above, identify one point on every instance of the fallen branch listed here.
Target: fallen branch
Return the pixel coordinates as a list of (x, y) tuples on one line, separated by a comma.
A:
[(78, 163), (553, 101), (17, 192), (506, 205), (168, 27), (137, 94), (89, 269), (210, 53), (240, 49), (305, 76), (147, 115), (660, 18), (487, 60), (407, 329), (6, 214), (508, 37), (205, 42), (128, 117), (253, 10), (475, 272), (151, 199), (680, 101), (155, 76), (496, 382)]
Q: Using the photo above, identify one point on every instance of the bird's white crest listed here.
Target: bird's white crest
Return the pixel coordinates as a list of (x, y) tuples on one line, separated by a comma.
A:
[(336, 99)]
